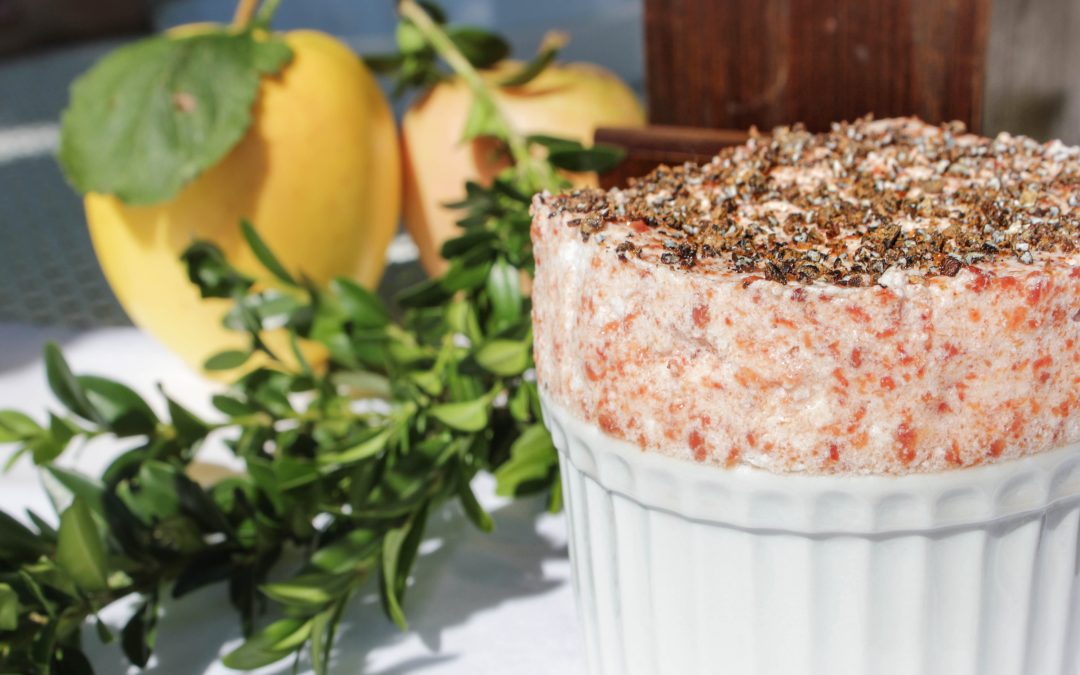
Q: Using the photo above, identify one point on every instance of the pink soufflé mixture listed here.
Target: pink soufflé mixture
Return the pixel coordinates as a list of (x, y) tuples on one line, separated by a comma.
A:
[(890, 297)]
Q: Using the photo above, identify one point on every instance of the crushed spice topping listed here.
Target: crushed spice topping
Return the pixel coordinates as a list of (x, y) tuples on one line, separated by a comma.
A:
[(844, 207)]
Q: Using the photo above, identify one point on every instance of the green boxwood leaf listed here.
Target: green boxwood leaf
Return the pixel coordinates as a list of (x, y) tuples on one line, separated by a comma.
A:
[(152, 496), (323, 627), (363, 307), (519, 404), (598, 158), (348, 554), (504, 290), (61, 430), (14, 457), (504, 357), (265, 255), (477, 197), (231, 406), (15, 426), (79, 485), (295, 640), (461, 318), (227, 360), (263, 648), (18, 542), (532, 459), (363, 383), (256, 310), (482, 48), (475, 512), (151, 116), (511, 191), (45, 575), (464, 416), (9, 608), (206, 568), (470, 241), (190, 428), (383, 64), (556, 143), (429, 381), (69, 660), (44, 449), (66, 386), (123, 411), (43, 649), (308, 590), (549, 49), (45, 530), (104, 634), (409, 38), (293, 473), (79, 550), (391, 549), (34, 588), (463, 276), (369, 447), (262, 473), (208, 269), (400, 547), (140, 633), (427, 293)]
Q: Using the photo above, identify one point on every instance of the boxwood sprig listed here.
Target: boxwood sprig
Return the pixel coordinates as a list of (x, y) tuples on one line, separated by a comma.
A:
[(344, 458)]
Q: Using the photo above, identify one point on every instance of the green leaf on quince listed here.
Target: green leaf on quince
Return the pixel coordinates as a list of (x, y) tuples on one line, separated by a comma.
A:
[(151, 117)]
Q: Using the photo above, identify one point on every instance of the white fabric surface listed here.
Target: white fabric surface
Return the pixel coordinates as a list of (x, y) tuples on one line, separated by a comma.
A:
[(479, 604)]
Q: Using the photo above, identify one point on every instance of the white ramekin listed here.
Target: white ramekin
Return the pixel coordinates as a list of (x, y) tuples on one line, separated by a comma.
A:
[(684, 569)]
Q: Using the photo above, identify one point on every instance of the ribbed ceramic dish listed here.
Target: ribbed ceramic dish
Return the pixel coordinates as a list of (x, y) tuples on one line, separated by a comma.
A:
[(685, 569)]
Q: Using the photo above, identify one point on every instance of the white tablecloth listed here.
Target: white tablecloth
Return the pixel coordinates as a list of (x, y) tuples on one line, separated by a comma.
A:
[(499, 603)]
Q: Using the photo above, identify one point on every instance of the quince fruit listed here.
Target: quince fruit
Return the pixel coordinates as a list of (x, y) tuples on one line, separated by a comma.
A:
[(317, 174)]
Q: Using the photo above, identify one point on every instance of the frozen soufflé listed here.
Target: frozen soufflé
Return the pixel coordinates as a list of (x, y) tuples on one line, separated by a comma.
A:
[(888, 297)]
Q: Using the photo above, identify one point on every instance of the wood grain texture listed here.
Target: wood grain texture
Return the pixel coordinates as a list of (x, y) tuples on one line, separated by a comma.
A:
[(655, 145), (737, 63)]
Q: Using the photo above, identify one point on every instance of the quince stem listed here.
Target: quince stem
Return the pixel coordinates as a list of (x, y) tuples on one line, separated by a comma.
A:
[(533, 170), (249, 14), (245, 10), (266, 13)]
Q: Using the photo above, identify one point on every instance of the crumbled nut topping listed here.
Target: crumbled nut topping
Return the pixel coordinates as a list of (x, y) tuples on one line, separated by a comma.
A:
[(845, 206)]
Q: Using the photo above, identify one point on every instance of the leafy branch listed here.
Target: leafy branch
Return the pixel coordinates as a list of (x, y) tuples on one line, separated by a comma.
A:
[(343, 463)]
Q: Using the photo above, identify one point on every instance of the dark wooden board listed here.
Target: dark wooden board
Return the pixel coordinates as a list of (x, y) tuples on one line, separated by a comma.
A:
[(736, 63)]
